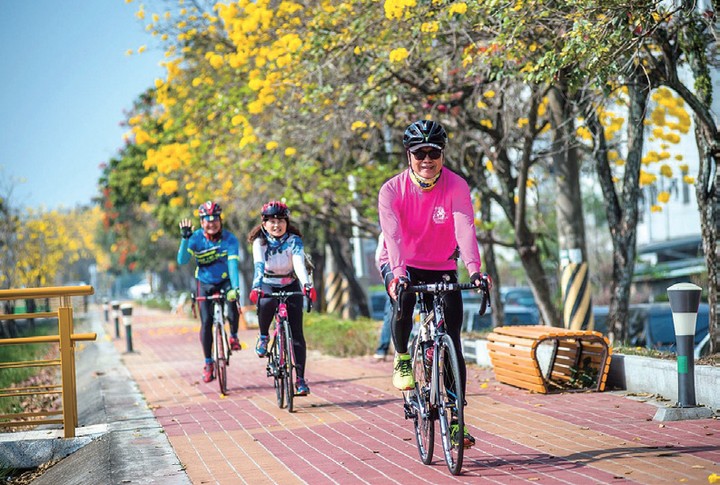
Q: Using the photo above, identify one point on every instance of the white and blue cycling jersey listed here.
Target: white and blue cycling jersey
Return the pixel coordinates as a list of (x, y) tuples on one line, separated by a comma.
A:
[(278, 262)]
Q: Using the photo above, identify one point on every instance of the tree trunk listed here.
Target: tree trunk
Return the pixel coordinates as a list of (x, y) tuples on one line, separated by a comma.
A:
[(568, 205), (621, 211), (340, 247)]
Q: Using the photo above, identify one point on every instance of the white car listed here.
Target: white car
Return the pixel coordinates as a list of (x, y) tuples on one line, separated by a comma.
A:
[(139, 291)]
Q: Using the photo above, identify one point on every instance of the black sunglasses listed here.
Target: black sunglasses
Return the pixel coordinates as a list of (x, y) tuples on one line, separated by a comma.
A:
[(434, 154)]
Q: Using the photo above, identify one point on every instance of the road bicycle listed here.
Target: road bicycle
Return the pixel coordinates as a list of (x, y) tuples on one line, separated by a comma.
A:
[(221, 349), (281, 356), (437, 375)]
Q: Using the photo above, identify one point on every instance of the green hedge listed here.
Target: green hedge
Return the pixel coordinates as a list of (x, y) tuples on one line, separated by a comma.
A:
[(332, 335)]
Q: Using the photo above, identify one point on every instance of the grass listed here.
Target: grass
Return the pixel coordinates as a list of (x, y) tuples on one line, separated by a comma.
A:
[(332, 335), (23, 352)]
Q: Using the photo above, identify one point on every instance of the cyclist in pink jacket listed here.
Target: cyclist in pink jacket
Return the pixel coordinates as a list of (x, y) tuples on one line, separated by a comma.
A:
[(426, 216)]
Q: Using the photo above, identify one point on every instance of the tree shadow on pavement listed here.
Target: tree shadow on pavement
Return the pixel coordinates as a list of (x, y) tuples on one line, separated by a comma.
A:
[(540, 461)]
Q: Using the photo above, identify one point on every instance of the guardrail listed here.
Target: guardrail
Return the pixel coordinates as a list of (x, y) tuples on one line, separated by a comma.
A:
[(66, 338)]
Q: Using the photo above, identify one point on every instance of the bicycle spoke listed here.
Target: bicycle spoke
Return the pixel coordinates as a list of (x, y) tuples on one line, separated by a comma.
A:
[(220, 361), (419, 400), (277, 372), (288, 367)]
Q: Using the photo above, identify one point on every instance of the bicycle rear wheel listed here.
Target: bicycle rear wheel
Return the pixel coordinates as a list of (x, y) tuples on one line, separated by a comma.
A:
[(451, 410), (288, 367), (277, 372), (221, 358), (419, 398)]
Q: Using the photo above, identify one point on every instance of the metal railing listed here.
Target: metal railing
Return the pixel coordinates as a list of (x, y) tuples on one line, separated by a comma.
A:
[(66, 338)]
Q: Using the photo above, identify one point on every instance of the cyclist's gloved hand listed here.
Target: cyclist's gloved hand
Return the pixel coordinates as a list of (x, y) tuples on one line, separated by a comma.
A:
[(395, 283), (310, 292), (232, 294), (186, 228), (255, 295), (478, 278)]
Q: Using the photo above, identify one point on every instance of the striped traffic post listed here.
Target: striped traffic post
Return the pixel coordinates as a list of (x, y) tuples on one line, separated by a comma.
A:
[(126, 310), (106, 309), (684, 302), (116, 316)]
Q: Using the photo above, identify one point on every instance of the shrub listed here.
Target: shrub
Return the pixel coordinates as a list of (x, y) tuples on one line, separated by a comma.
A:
[(332, 335)]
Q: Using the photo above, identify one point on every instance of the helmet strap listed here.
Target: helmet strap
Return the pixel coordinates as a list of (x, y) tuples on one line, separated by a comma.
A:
[(422, 182)]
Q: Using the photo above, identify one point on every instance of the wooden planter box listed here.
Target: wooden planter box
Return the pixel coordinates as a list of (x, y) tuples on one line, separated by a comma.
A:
[(545, 359)]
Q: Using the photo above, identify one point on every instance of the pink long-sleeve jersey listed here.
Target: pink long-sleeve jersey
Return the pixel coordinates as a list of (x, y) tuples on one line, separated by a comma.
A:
[(422, 229)]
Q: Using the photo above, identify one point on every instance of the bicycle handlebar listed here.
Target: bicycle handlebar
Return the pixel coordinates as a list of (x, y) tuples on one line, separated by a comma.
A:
[(444, 287), (215, 296), (284, 295)]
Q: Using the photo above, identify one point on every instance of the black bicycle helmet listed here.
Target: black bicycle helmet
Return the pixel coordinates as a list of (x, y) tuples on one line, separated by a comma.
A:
[(275, 208), (425, 133), (209, 208)]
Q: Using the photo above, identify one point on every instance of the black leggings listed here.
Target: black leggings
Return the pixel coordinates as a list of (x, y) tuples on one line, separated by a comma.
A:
[(401, 328), (266, 311), (206, 314)]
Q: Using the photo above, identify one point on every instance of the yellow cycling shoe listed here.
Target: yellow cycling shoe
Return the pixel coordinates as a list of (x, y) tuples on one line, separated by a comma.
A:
[(402, 375)]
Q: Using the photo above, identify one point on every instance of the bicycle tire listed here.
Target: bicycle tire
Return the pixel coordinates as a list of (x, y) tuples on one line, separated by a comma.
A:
[(288, 368), (277, 372), (423, 422), (450, 403), (220, 358)]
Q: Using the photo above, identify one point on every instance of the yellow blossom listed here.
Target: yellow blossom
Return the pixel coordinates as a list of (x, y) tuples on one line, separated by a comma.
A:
[(459, 8), (646, 178), (290, 151), (689, 179), (271, 145), (399, 54), (663, 197), (655, 208), (429, 27), (358, 125), (666, 171)]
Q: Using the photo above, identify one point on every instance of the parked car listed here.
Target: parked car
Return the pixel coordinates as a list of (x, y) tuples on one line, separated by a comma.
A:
[(140, 290), (651, 326), (518, 303)]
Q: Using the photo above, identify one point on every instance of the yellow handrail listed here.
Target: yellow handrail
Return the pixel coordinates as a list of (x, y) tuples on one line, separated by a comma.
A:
[(49, 292), (66, 339)]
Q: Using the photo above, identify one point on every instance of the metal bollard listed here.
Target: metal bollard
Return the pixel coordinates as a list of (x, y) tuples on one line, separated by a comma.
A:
[(106, 310), (684, 302), (116, 316), (126, 309)]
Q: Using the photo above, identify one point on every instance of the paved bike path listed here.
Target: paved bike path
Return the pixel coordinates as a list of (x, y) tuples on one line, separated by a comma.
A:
[(351, 428)]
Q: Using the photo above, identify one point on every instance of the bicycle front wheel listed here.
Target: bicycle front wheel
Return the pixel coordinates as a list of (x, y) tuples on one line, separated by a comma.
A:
[(221, 358), (450, 402), (420, 400), (288, 367)]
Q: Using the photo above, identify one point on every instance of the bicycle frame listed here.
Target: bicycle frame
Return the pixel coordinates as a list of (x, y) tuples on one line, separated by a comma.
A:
[(221, 347), (281, 357)]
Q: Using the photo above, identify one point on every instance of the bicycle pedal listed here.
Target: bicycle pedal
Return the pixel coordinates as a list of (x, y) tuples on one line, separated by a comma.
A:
[(410, 412)]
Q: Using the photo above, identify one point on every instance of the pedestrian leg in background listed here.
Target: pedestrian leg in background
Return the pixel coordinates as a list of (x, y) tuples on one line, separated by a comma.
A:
[(385, 334)]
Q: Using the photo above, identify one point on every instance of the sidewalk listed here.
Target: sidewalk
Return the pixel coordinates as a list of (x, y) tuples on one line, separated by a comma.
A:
[(351, 428)]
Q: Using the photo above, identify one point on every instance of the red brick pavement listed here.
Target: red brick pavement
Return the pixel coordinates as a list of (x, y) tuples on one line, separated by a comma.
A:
[(351, 428)]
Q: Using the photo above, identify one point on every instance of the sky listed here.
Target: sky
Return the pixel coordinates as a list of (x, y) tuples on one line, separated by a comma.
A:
[(65, 84)]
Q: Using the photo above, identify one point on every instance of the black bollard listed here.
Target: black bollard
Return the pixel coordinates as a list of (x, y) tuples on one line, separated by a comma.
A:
[(684, 302), (116, 316), (126, 309)]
